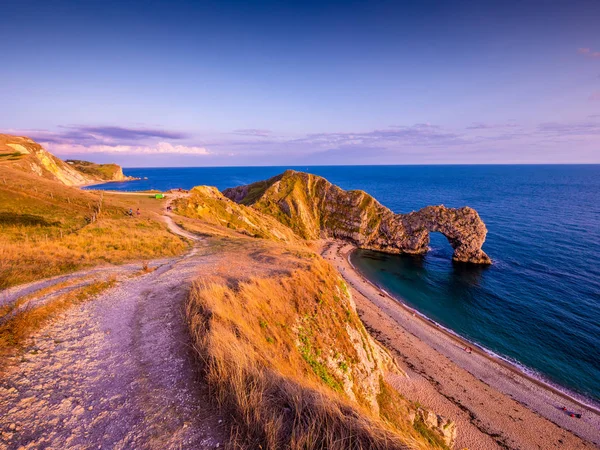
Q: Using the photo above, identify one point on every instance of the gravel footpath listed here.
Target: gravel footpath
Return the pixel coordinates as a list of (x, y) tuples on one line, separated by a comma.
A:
[(117, 372)]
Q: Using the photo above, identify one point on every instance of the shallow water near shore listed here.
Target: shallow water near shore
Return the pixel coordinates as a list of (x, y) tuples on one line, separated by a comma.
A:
[(537, 305)]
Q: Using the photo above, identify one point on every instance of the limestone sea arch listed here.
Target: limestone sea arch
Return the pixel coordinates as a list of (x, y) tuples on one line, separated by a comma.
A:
[(315, 208)]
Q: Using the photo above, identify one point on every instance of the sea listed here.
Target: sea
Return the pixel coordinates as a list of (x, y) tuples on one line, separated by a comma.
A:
[(537, 306)]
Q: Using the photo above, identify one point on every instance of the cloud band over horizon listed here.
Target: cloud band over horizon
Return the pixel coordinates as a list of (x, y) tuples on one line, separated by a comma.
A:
[(478, 142)]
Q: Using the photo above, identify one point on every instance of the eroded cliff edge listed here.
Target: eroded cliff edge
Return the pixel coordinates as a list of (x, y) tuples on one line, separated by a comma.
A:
[(314, 208), (24, 154)]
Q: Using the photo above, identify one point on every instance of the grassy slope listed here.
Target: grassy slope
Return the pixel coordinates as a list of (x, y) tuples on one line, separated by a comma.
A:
[(19, 152), (211, 207), (301, 202), (277, 353), (22, 153), (46, 229)]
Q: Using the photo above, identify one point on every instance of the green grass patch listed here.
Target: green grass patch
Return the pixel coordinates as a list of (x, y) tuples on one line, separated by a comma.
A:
[(311, 356)]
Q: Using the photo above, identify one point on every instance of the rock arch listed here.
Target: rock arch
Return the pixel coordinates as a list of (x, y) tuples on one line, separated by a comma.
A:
[(462, 227), (314, 208)]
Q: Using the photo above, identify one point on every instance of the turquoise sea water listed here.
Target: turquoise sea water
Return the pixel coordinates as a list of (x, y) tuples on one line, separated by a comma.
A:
[(538, 305)]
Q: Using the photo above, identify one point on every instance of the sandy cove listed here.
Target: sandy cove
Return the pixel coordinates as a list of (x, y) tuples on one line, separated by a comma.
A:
[(494, 405)]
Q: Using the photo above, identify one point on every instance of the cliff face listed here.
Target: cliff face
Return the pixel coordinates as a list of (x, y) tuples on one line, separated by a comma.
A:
[(27, 155), (101, 172), (288, 357), (314, 208)]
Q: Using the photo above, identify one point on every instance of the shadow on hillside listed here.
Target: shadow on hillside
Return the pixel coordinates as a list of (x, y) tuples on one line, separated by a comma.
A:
[(7, 218)]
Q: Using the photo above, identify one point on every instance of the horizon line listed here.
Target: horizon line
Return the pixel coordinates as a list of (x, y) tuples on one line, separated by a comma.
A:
[(364, 165)]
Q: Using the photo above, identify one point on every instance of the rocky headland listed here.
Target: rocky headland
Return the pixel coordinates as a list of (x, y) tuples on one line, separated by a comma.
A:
[(27, 155), (315, 208)]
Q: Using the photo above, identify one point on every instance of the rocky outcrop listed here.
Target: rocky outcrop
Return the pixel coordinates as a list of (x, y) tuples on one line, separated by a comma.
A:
[(314, 208), (444, 427), (361, 373), (29, 156)]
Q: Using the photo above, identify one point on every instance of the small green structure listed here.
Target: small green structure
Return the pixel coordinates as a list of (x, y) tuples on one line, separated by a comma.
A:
[(159, 196)]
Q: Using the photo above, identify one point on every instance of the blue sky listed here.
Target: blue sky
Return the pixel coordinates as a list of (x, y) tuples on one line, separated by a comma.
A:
[(273, 83)]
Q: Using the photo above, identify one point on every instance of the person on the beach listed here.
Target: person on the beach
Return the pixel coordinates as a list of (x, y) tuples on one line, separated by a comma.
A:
[(137, 212), (571, 414), (130, 212)]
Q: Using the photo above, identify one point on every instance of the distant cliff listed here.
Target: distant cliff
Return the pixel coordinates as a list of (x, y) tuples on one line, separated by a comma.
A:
[(314, 208), (104, 172), (27, 155)]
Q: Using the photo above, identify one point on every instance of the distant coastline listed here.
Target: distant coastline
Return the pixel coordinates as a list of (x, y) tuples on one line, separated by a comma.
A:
[(102, 182)]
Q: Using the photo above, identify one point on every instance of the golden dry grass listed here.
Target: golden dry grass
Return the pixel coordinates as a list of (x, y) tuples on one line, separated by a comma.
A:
[(261, 340), (47, 229), (27, 256), (213, 209)]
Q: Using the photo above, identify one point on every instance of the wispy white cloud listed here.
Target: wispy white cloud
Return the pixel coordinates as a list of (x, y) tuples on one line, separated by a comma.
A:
[(415, 135), (559, 129), (104, 135), (159, 148), (70, 140)]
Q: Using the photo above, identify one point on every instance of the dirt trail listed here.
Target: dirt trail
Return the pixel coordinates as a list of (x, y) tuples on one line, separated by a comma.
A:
[(116, 372)]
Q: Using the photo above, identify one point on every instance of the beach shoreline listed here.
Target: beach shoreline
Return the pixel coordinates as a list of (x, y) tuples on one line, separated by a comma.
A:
[(495, 388), (101, 182), (476, 348)]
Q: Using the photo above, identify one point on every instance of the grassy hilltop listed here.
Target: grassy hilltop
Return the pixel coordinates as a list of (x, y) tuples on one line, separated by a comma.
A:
[(103, 172)]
